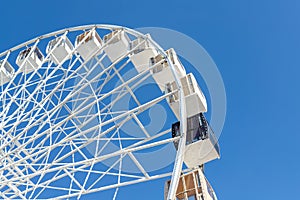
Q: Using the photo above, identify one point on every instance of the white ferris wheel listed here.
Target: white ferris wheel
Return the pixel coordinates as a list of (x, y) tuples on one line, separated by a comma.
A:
[(96, 108)]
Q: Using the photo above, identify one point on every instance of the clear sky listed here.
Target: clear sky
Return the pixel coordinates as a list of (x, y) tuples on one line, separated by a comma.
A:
[(255, 45)]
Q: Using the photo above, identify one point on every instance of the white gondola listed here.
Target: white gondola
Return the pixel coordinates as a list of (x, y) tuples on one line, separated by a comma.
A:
[(29, 60), (6, 72), (90, 44), (201, 143), (61, 48), (162, 73), (118, 46), (142, 53), (194, 98), (192, 185)]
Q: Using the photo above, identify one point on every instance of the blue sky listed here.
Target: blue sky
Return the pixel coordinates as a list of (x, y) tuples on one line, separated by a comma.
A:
[(255, 45)]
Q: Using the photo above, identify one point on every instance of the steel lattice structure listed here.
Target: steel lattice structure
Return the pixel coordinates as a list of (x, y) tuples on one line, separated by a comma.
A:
[(53, 113), (61, 125)]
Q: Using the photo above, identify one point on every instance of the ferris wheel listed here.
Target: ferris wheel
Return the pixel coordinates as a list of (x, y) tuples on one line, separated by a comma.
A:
[(97, 108)]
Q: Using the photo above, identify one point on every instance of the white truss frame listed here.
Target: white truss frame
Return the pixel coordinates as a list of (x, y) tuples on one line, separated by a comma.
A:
[(25, 156)]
